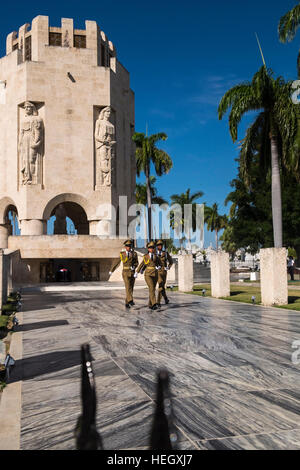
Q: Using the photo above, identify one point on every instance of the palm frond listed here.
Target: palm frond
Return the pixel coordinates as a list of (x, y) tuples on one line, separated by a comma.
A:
[(157, 137), (230, 97), (251, 144), (162, 162), (289, 24)]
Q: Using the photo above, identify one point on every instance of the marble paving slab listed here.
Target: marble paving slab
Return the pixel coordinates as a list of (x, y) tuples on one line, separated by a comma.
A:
[(233, 383)]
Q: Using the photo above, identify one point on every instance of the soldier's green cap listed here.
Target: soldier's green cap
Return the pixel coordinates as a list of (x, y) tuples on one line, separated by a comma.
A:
[(160, 242), (151, 245), (128, 243)]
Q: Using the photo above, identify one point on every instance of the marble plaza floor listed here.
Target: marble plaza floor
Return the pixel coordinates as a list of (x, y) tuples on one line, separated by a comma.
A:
[(233, 382)]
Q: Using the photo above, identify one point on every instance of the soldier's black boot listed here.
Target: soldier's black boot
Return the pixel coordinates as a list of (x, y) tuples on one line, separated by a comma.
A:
[(131, 303), (154, 307), (127, 306), (166, 300), (158, 305)]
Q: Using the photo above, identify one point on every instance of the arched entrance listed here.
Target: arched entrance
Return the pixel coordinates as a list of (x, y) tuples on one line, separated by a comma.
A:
[(68, 218), (9, 223), (66, 214)]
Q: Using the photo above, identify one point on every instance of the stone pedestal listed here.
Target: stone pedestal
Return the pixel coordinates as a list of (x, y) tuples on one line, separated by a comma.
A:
[(172, 274), (273, 276), (220, 274), (185, 273)]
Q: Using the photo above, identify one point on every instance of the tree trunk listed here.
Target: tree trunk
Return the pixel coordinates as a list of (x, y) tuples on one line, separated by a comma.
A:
[(276, 195), (217, 241), (149, 202)]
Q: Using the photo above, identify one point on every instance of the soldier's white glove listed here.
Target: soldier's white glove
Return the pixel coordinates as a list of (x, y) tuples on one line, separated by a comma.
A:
[(110, 273), (167, 268), (158, 268), (132, 268), (135, 275)]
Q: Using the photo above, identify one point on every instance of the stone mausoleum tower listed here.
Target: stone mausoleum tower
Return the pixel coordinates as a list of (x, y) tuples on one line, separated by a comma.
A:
[(66, 122)]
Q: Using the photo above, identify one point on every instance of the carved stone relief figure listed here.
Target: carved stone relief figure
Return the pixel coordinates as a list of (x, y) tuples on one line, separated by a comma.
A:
[(60, 224), (105, 147), (31, 140)]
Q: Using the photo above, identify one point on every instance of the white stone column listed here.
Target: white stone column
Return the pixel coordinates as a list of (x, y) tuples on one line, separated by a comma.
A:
[(185, 273), (92, 40), (273, 276), (33, 227), (220, 274), (93, 227), (67, 30), (9, 41), (39, 37), (4, 236)]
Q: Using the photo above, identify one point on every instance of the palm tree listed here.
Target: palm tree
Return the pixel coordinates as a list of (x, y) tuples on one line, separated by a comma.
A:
[(288, 26), (147, 152), (141, 196), (214, 221), (272, 134), (141, 193), (185, 199)]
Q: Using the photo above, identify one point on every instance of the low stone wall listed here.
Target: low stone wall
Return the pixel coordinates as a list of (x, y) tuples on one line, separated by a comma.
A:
[(64, 246)]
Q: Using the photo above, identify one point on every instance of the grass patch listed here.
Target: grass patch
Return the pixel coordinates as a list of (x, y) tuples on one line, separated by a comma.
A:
[(242, 293)]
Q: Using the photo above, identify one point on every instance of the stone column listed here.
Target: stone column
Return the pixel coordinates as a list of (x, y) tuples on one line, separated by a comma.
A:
[(92, 40), (22, 31), (172, 273), (4, 233), (273, 276), (39, 37), (9, 41), (185, 273), (67, 29), (93, 227), (220, 274), (32, 227)]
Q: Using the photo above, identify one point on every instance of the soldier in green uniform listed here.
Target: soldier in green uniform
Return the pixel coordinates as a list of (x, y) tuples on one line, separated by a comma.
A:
[(150, 265), (130, 262), (166, 263)]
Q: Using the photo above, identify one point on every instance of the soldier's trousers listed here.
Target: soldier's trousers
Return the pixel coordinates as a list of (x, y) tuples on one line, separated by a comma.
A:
[(129, 279), (162, 279), (151, 280)]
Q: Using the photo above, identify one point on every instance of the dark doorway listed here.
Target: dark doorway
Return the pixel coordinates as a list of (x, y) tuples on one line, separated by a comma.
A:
[(69, 270)]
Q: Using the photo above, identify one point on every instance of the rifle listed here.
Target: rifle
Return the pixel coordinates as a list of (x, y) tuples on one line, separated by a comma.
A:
[(87, 437)]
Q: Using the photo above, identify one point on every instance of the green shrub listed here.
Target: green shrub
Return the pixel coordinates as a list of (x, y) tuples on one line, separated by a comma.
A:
[(8, 308)]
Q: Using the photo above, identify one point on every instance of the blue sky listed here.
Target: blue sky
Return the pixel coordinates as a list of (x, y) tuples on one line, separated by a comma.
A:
[(182, 57)]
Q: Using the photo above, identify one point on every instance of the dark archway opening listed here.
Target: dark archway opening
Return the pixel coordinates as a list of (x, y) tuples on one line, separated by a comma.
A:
[(68, 218)]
